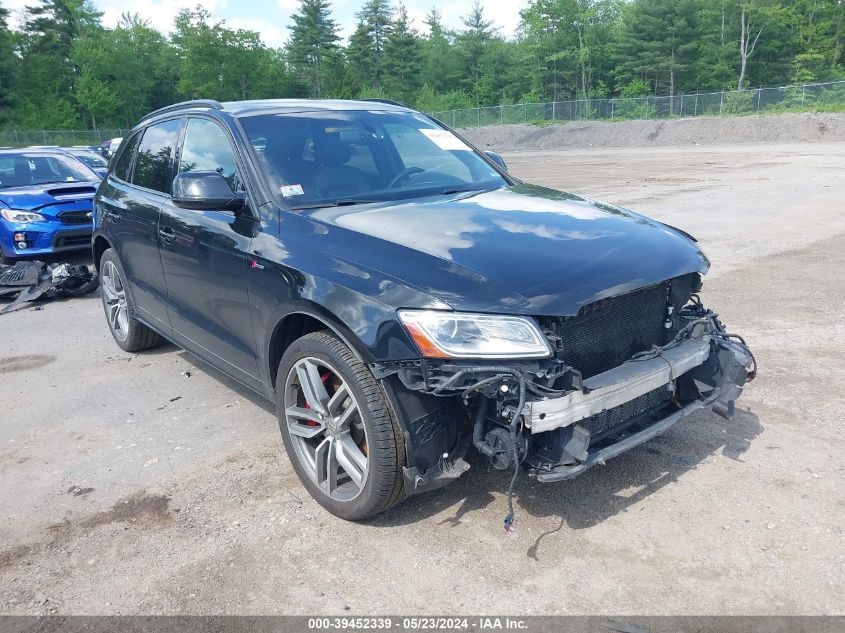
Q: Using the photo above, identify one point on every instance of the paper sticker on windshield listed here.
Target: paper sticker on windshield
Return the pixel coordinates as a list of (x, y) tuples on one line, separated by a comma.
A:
[(291, 190), (444, 139)]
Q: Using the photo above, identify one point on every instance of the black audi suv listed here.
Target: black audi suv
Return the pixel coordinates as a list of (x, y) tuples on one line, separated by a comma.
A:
[(401, 296)]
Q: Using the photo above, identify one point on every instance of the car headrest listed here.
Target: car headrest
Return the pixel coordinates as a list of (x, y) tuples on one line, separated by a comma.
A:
[(331, 151), (42, 170), (23, 175)]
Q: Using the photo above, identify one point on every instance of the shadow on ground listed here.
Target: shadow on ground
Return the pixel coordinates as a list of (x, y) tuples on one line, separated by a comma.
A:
[(598, 494), (586, 501), (245, 392)]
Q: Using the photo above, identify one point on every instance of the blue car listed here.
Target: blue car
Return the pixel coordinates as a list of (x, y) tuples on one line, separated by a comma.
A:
[(96, 162), (45, 203)]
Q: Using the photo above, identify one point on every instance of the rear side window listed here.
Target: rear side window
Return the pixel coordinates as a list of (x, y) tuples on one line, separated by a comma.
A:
[(206, 148), (154, 164), (124, 163)]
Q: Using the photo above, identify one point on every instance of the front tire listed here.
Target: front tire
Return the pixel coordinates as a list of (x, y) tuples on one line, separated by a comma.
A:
[(129, 333), (338, 429)]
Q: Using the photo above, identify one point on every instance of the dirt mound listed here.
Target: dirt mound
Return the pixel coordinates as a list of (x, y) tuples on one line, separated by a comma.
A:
[(782, 128)]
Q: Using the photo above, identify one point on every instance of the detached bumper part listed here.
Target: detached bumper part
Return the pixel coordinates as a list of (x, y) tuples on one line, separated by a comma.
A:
[(32, 280), (447, 469), (713, 368), (434, 444), (727, 370)]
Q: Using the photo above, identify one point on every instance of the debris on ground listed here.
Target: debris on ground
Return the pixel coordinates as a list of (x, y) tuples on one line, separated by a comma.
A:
[(34, 280)]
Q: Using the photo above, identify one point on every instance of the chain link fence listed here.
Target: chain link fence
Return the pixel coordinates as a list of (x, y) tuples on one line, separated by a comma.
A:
[(725, 103), (63, 138)]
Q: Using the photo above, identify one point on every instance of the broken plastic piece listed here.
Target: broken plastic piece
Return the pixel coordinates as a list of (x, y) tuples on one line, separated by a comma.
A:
[(29, 281)]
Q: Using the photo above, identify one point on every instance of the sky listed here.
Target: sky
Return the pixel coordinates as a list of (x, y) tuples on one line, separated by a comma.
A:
[(272, 17)]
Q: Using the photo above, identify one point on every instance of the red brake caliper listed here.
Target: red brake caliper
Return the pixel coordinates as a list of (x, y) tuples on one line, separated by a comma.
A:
[(325, 379)]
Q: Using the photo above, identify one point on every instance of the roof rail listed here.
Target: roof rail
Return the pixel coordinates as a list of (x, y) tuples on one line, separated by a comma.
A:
[(184, 105), (387, 101)]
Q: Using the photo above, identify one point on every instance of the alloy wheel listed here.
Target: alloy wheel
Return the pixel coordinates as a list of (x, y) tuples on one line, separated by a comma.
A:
[(114, 298), (326, 428)]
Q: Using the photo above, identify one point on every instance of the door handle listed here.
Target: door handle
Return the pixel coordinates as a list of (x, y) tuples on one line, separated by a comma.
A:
[(167, 234), (111, 208)]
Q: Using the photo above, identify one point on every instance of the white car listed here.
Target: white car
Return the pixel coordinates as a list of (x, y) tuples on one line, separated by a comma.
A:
[(115, 143)]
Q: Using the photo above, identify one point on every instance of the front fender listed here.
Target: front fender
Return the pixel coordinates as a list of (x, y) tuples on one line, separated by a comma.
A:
[(368, 327)]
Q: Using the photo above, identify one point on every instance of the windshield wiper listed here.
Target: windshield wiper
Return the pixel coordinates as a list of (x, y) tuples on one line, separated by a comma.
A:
[(450, 190), (343, 202), (348, 202)]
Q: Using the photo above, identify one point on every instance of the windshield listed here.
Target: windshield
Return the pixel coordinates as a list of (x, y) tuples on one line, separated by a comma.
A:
[(316, 159), (25, 169), (91, 159)]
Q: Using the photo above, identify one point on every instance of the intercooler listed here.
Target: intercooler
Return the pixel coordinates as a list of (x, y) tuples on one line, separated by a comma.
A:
[(611, 418)]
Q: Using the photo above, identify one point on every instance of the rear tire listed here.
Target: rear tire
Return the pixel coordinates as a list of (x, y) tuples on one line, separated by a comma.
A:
[(338, 429), (128, 332)]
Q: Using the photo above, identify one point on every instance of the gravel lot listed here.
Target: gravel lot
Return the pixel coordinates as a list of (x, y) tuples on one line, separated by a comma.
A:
[(131, 487)]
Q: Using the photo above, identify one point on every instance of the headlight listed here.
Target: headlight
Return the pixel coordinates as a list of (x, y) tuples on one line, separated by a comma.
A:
[(457, 335), (21, 217)]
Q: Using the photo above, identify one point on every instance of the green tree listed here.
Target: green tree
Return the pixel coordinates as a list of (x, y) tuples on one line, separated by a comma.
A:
[(817, 25), (148, 68), (62, 69), (473, 46), (564, 40), (439, 64), (312, 48), (765, 28), (656, 43), (402, 58), (96, 87), (225, 64), (8, 66), (366, 45), (430, 101), (339, 82), (711, 66), (45, 86), (124, 72)]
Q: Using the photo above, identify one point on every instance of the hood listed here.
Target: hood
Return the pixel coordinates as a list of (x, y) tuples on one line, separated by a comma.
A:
[(523, 249), (37, 197)]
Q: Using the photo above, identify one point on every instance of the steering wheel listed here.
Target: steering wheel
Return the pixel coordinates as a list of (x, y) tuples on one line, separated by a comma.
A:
[(402, 176)]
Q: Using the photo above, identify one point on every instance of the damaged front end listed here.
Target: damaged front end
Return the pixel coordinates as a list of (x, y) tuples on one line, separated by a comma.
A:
[(621, 371)]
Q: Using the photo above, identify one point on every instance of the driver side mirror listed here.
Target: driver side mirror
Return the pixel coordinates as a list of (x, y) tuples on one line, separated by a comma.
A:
[(497, 159), (206, 191)]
